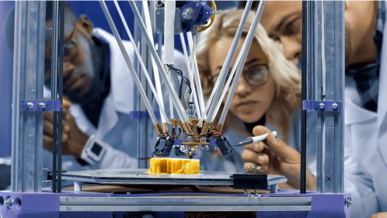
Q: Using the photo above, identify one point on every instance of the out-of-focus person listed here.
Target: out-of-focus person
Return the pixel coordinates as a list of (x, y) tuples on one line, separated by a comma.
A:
[(365, 153), (268, 92)]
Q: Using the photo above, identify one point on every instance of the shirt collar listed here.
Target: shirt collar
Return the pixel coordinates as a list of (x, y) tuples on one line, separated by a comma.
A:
[(106, 66)]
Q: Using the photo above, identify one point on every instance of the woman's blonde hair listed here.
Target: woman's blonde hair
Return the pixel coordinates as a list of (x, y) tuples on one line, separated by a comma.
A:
[(285, 73)]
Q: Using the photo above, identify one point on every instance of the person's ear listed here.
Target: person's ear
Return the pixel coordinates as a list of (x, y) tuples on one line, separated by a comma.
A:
[(86, 25)]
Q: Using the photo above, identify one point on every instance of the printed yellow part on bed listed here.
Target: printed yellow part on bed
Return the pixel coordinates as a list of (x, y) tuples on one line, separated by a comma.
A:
[(174, 166)]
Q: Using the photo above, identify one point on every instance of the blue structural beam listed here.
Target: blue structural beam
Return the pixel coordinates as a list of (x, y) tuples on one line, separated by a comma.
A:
[(43, 205), (323, 205), (6, 59)]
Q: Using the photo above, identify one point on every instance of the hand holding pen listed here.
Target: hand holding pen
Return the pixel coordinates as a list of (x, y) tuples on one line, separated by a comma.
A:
[(255, 139), (275, 158)]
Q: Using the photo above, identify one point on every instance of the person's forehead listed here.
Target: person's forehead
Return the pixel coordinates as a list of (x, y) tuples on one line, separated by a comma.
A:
[(68, 26), (274, 7), (275, 11), (222, 46), (256, 51)]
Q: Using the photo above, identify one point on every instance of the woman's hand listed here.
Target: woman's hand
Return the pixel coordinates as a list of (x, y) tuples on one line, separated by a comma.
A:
[(379, 215), (276, 158)]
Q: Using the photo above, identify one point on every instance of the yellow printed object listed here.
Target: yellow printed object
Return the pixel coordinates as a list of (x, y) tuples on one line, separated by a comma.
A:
[(174, 166)]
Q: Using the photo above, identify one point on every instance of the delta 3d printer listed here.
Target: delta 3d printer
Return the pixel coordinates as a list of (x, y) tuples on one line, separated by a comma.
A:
[(323, 45)]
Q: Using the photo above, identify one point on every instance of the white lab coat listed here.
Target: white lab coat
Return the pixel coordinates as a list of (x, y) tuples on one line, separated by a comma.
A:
[(115, 125), (360, 145), (366, 146), (367, 133)]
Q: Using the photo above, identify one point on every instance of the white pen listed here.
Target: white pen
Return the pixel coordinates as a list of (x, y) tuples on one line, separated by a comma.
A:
[(254, 139)]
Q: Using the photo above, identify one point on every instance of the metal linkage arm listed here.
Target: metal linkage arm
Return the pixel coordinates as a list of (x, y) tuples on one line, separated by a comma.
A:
[(226, 66), (191, 76), (155, 70), (157, 97), (226, 87), (131, 68), (247, 45), (179, 107)]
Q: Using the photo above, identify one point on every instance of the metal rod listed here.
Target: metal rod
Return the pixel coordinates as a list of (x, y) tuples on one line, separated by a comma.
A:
[(247, 43), (190, 74), (339, 94), (170, 97), (128, 62), (139, 105), (225, 90), (17, 78), (54, 90), (143, 67), (40, 62), (194, 94), (195, 72), (160, 45), (54, 52), (199, 90), (169, 31), (61, 20), (323, 57), (155, 70), (192, 68), (305, 48), (333, 14), (179, 107), (77, 186), (226, 66), (159, 52), (318, 23), (28, 74)]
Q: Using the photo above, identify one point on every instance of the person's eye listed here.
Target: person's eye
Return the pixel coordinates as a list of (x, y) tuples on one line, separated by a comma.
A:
[(290, 25), (257, 73), (275, 38), (293, 26), (69, 48)]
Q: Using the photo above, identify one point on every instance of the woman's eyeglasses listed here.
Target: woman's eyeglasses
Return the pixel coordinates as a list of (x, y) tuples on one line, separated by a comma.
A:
[(255, 75)]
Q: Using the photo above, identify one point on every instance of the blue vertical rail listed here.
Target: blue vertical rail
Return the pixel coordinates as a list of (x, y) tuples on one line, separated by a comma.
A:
[(27, 126), (5, 80), (322, 82)]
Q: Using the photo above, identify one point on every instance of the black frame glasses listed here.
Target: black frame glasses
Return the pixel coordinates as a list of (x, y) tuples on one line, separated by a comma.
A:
[(255, 75)]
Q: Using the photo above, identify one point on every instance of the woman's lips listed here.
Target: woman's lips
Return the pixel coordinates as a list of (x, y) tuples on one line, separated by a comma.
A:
[(247, 106)]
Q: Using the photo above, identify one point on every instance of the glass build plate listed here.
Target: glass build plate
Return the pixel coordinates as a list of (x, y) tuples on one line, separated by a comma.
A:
[(140, 176)]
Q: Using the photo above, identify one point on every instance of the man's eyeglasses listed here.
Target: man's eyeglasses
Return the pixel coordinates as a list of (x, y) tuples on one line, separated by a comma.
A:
[(255, 75), (70, 42)]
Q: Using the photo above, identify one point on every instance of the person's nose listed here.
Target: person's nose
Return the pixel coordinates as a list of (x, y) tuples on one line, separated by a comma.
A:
[(292, 48), (243, 89)]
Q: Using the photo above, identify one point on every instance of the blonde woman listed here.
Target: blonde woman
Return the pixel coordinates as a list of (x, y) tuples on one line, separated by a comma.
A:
[(268, 92)]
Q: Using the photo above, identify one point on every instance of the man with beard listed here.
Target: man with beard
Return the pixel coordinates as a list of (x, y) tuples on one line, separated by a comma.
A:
[(365, 163), (97, 129)]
